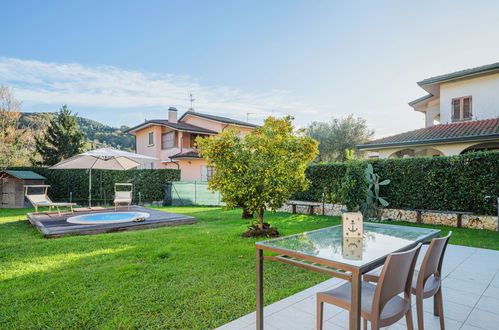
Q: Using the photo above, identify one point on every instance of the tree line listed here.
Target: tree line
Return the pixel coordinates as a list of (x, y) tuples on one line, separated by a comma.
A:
[(46, 138)]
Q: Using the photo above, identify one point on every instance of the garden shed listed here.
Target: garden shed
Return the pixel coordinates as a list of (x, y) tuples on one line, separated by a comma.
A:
[(12, 187)]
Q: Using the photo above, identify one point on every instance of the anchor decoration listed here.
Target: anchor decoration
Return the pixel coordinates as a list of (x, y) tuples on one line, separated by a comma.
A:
[(352, 224), (352, 235)]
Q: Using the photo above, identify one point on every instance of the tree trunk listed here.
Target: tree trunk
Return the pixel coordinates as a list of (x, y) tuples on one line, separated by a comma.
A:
[(247, 214), (260, 218)]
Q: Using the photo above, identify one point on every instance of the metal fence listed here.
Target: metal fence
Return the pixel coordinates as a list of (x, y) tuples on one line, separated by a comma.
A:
[(191, 193)]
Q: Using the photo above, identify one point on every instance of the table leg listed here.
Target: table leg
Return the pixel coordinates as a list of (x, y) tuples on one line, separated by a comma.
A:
[(356, 300), (259, 289)]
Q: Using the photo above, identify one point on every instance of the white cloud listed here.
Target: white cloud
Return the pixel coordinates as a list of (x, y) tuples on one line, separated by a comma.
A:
[(106, 87)]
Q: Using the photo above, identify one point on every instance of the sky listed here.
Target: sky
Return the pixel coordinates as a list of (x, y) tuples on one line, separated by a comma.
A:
[(122, 62)]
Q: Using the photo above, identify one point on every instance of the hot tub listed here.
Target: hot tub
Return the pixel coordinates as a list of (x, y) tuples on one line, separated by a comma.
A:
[(108, 217)]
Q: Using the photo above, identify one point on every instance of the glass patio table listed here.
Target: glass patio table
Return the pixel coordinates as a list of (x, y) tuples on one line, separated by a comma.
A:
[(327, 251)]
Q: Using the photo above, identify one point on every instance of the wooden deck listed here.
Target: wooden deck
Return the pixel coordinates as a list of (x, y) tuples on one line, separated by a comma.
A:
[(53, 225)]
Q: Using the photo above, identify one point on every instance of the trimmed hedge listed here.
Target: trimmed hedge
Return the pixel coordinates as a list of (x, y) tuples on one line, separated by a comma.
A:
[(455, 183), (150, 183)]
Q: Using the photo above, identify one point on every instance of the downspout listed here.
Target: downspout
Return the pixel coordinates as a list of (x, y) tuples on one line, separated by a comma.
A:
[(173, 162)]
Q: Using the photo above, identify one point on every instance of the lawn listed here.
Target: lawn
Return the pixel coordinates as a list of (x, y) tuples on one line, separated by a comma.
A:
[(191, 276)]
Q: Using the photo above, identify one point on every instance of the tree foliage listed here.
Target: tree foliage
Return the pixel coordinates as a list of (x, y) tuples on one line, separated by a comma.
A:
[(339, 137), (262, 169), (62, 139), (353, 186), (98, 134), (12, 138)]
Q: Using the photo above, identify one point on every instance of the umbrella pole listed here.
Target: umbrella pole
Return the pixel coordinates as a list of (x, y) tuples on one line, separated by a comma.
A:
[(90, 188)]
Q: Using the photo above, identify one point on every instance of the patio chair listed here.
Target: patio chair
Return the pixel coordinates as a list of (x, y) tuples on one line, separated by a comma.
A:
[(381, 303), (123, 197), (427, 281), (42, 199)]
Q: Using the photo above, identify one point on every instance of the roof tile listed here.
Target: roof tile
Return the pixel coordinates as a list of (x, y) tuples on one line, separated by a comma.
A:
[(474, 128)]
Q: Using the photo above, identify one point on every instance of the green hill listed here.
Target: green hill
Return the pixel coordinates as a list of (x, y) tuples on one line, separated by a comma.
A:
[(99, 134)]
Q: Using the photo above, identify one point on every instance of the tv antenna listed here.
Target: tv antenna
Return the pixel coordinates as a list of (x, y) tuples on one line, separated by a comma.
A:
[(248, 114), (191, 99)]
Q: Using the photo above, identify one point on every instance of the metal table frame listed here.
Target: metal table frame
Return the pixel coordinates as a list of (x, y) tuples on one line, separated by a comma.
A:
[(352, 274)]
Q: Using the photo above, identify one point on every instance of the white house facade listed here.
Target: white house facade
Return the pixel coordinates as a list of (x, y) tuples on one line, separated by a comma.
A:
[(461, 114)]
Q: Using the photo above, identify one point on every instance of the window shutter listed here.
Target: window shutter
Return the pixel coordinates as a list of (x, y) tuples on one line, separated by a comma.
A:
[(467, 108), (456, 109), (168, 140)]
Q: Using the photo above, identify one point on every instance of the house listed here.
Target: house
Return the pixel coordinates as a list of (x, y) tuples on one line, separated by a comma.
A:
[(172, 140), (461, 113)]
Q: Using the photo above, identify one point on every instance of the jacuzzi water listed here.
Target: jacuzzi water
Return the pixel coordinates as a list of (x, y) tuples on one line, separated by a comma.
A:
[(108, 217)]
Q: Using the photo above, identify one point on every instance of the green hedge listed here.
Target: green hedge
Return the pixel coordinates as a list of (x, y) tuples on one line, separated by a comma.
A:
[(456, 183), (66, 184)]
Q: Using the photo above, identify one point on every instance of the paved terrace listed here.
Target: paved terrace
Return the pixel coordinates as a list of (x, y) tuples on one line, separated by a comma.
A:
[(470, 292)]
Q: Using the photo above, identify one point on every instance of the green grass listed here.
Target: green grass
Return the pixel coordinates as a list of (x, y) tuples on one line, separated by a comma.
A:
[(191, 276)]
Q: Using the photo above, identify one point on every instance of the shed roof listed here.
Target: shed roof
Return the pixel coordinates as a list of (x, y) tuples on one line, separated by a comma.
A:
[(25, 175)]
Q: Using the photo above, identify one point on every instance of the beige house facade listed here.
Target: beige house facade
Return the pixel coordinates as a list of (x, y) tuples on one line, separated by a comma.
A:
[(461, 112), (172, 140)]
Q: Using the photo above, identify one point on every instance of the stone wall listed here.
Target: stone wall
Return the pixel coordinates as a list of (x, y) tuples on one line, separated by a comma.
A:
[(488, 222), (329, 209)]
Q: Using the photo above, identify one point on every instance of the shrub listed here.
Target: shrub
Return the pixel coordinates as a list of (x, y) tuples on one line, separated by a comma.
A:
[(456, 183), (353, 186), (150, 183)]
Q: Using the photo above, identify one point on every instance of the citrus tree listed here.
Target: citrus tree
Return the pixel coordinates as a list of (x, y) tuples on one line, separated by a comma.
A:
[(261, 170)]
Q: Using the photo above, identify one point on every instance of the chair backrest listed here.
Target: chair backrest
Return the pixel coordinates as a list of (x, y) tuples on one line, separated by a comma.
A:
[(123, 195), (395, 278), (433, 259), (37, 198)]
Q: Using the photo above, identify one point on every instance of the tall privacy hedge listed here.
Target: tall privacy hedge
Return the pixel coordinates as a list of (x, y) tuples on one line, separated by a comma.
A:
[(150, 183), (455, 183)]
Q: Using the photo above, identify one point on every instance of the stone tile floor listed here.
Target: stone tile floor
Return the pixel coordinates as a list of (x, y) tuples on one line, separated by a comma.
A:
[(470, 292)]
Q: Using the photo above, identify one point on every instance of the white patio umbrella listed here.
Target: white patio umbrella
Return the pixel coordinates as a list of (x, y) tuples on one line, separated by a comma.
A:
[(103, 159)]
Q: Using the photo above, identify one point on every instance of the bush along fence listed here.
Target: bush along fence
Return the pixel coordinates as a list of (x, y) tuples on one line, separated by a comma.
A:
[(72, 185), (467, 183)]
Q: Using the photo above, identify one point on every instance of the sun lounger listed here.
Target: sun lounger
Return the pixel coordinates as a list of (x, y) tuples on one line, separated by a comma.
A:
[(43, 200), (123, 197)]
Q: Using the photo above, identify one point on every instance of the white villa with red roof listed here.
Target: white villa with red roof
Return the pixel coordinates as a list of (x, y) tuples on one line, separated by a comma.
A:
[(461, 114), (172, 140)]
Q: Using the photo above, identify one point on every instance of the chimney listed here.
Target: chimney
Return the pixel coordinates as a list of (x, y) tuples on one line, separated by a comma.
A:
[(172, 115)]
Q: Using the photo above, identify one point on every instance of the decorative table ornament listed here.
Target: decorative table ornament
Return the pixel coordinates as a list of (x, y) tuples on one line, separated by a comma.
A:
[(352, 224)]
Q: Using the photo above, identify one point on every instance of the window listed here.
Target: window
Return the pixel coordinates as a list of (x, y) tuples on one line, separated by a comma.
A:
[(168, 140), (207, 172), (461, 109), (151, 138)]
